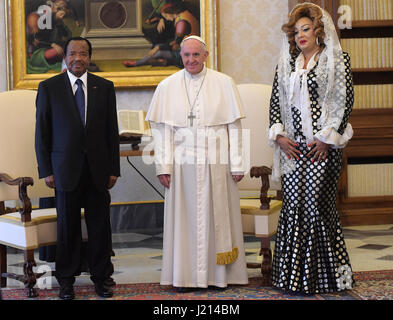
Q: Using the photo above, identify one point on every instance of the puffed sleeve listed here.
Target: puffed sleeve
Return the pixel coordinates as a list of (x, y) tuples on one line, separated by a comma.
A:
[(340, 138)]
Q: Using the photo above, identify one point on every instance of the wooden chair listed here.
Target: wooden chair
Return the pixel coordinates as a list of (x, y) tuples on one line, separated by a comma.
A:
[(27, 229), (260, 199)]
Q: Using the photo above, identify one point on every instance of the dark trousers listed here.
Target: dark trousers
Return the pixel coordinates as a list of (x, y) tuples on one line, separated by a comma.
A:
[(69, 234), (47, 253)]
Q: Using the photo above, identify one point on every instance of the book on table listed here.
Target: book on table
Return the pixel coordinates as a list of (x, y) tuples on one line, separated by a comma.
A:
[(132, 123)]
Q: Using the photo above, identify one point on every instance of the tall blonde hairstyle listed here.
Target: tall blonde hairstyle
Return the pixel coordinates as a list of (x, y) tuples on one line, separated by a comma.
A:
[(329, 72), (314, 13)]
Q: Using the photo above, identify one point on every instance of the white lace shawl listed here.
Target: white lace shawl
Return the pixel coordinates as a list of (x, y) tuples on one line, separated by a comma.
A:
[(330, 77)]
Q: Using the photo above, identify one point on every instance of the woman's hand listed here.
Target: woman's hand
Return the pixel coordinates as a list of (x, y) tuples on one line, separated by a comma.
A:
[(319, 150), (288, 146)]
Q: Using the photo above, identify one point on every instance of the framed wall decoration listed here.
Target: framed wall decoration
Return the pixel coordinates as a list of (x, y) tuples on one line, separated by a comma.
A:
[(135, 42)]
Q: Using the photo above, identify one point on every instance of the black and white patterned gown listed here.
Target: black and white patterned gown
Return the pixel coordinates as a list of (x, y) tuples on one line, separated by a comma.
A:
[(310, 255)]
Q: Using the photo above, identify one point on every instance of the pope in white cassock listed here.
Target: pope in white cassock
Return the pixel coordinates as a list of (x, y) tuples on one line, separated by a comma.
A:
[(195, 119)]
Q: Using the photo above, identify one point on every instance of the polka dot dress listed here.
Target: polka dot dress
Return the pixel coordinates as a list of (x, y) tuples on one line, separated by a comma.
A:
[(310, 255)]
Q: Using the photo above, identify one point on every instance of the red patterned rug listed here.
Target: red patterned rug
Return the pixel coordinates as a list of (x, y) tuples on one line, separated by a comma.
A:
[(370, 285)]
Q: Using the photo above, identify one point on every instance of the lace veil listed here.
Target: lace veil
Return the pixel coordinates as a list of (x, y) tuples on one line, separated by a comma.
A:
[(330, 79)]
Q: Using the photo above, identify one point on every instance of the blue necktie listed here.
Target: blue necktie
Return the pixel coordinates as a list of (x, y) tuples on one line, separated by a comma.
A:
[(80, 99)]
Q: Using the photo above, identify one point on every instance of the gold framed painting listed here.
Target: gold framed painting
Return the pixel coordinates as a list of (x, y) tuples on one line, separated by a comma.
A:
[(135, 42)]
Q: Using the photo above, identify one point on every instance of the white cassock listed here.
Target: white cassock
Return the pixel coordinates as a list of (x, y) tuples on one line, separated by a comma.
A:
[(203, 237)]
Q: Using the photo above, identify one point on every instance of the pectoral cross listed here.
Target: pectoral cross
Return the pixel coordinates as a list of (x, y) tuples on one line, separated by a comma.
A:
[(191, 117)]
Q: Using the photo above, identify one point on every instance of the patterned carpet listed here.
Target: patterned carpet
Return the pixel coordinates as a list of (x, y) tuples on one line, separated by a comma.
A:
[(370, 285)]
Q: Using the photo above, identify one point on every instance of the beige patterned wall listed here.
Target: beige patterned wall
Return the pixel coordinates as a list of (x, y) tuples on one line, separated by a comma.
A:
[(250, 34)]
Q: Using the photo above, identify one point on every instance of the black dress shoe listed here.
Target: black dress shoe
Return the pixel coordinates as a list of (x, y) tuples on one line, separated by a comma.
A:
[(186, 289), (66, 292), (217, 288), (102, 290)]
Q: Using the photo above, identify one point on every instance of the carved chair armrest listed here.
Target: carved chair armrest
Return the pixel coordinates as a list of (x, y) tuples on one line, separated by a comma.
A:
[(22, 183), (263, 172)]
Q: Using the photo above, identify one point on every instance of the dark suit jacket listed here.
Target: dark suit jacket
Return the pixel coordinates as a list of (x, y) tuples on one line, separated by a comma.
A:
[(61, 140)]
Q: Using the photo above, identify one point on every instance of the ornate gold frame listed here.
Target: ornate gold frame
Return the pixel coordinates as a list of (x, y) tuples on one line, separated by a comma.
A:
[(19, 79)]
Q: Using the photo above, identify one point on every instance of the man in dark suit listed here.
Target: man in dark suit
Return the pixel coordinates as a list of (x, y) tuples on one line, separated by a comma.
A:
[(77, 148)]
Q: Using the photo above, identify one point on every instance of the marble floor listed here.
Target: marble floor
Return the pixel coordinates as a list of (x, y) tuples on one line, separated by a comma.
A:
[(138, 254)]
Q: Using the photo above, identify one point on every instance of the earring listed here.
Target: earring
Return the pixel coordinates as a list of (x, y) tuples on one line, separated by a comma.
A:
[(297, 47), (317, 41)]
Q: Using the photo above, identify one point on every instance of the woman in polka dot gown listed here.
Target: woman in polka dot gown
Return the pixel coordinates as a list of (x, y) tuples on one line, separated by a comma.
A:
[(311, 101)]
